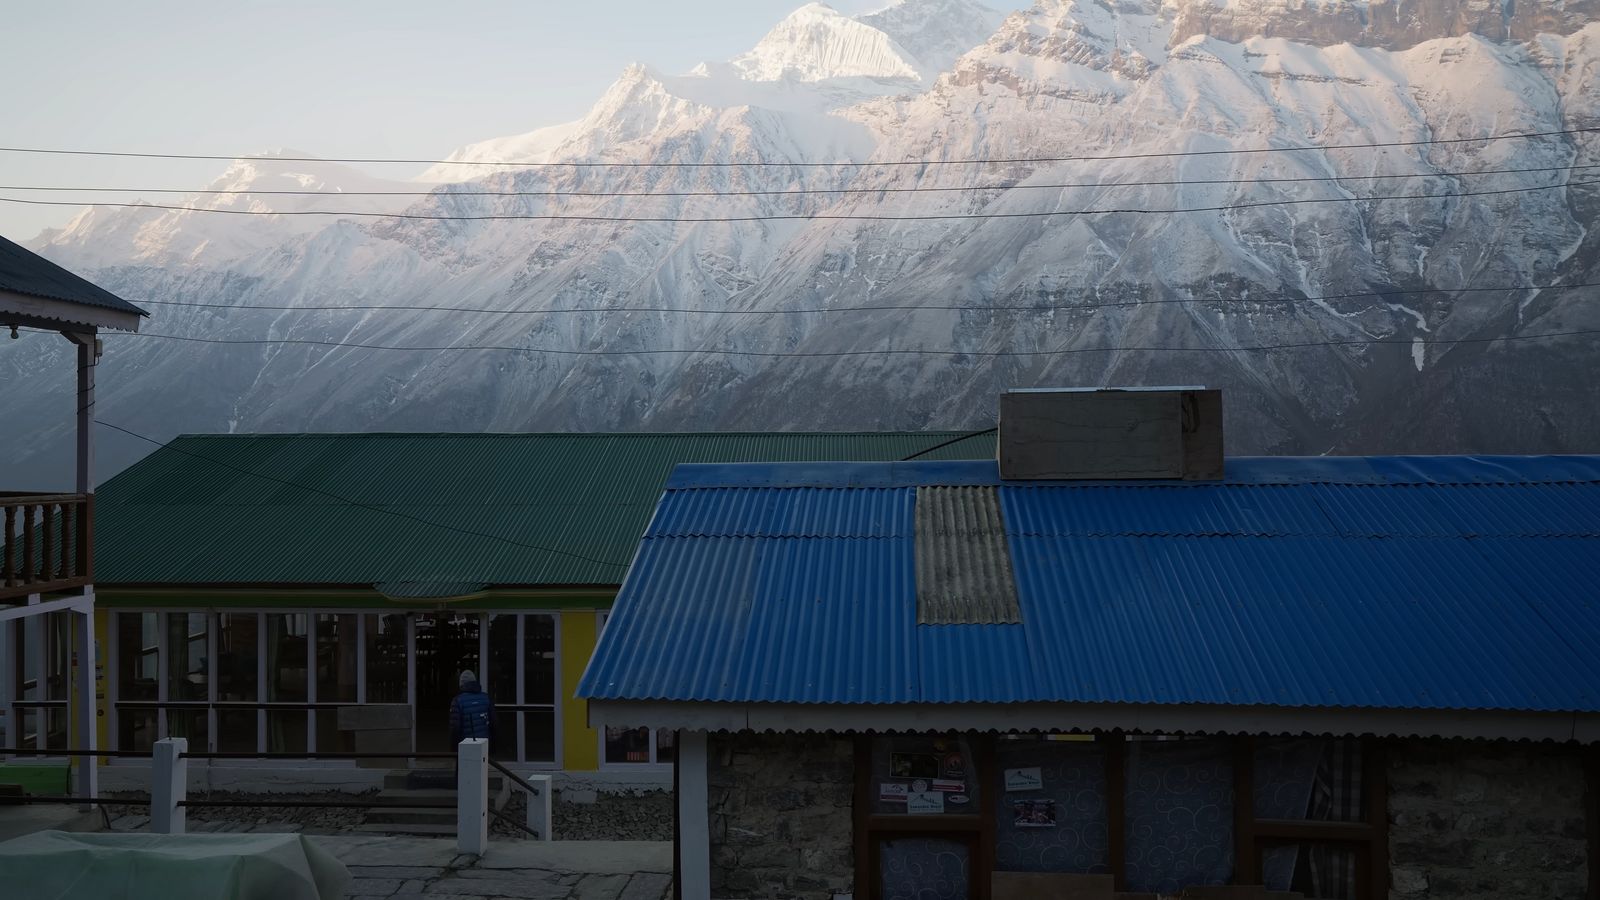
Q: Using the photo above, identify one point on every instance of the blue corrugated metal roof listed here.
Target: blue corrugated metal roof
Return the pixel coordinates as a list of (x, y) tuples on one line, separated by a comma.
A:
[(1411, 583)]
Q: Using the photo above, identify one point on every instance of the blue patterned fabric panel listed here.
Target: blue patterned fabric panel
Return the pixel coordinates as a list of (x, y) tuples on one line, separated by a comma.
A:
[(1074, 776), (924, 869), (1179, 815)]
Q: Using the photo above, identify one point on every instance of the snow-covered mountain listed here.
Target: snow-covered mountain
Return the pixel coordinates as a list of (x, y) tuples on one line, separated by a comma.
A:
[(597, 312)]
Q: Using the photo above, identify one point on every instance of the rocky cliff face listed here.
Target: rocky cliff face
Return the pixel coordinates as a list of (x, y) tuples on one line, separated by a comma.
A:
[(1227, 269)]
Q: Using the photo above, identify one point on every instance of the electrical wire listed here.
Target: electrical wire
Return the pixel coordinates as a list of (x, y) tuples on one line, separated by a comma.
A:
[(443, 192), (944, 444), (837, 354), (886, 307), (803, 217), (1524, 135), (167, 445)]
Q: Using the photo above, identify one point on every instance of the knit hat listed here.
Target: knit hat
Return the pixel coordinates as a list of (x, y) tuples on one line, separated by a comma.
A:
[(467, 677)]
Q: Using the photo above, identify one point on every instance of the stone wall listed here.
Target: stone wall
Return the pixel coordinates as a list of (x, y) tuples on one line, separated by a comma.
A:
[(1471, 820), (780, 815)]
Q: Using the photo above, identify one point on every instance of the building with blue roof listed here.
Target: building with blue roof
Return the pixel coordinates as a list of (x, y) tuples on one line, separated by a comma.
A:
[(940, 679)]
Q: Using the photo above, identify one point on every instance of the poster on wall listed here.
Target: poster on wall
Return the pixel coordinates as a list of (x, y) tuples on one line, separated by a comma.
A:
[(1033, 813), (925, 803), (953, 766), (892, 792), (913, 765), (1029, 779)]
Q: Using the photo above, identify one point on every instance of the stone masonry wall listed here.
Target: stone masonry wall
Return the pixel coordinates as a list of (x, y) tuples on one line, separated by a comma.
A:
[(780, 815), (1479, 820)]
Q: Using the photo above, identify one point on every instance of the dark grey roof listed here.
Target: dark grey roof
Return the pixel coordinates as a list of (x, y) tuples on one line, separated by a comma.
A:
[(26, 272)]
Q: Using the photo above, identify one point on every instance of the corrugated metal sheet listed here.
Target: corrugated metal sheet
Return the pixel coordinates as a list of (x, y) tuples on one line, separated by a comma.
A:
[(963, 563), (26, 272), (1420, 583), (461, 508)]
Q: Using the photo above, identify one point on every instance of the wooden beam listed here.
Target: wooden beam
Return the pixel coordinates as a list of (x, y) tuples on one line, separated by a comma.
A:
[(1246, 868), (1375, 781), (1116, 807), (40, 312), (862, 810)]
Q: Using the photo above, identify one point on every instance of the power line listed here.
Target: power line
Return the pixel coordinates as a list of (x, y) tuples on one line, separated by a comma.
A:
[(835, 354), (887, 307), (1525, 135), (944, 444), (797, 192), (167, 445), (782, 217)]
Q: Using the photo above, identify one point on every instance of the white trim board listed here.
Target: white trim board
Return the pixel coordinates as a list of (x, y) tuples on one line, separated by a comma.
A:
[(1130, 717)]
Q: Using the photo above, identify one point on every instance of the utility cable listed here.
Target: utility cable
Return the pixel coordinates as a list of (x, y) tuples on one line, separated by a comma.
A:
[(803, 217), (836, 354), (886, 307), (944, 444), (446, 191), (1522, 135)]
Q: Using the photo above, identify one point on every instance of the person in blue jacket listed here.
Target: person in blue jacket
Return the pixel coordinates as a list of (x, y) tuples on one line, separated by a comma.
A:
[(471, 711)]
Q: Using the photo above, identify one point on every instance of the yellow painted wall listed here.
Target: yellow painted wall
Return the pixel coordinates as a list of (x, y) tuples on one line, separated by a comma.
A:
[(580, 746)]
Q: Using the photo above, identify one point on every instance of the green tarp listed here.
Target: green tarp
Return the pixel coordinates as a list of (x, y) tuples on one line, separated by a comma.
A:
[(58, 865)]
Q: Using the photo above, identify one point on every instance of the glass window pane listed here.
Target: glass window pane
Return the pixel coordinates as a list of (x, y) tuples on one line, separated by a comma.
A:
[(1179, 809), (1315, 871), (924, 868), (286, 658), (503, 740), (1309, 778), (236, 730), (500, 679), (329, 738), (188, 723), (136, 728), (666, 745), (286, 731), (627, 745), (136, 656), (336, 659), (386, 658), (237, 655), (186, 657), (539, 728), (1060, 825), (539, 649), (923, 775)]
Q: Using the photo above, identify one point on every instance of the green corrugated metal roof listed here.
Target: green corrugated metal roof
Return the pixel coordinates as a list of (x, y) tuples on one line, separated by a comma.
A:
[(362, 509), (26, 272)]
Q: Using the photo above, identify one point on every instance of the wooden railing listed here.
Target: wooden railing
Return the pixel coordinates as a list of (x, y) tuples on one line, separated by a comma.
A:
[(47, 543)]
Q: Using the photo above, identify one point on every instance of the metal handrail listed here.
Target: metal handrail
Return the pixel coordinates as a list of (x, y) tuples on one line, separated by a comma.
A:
[(318, 804), (109, 801), (378, 754), (515, 778), (50, 751), (514, 823)]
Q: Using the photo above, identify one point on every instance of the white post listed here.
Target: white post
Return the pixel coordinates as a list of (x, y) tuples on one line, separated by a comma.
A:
[(539, 807), (88, 706), (694, 827), (472, 796), (169, 785)]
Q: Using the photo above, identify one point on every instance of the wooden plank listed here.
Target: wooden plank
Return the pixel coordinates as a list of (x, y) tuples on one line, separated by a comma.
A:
[(1246, 869), (47, 563), (1375, 780), (1116, 808), (7, 543), (984, 776), (866, 857), (1310, 830), (85, 555), (1052, 885), (28, 568)]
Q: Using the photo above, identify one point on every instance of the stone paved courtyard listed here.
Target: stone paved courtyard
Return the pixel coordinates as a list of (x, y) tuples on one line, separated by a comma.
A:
[(515, 870)]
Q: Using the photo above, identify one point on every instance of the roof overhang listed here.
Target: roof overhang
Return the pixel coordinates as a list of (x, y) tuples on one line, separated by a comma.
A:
[(1150, 718), (61, 315)]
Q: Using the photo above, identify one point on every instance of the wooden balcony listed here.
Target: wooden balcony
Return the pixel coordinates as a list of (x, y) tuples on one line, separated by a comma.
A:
[(47, 543)]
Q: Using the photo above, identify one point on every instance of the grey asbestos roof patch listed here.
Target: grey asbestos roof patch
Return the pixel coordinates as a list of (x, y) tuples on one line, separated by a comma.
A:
[(964, 573)]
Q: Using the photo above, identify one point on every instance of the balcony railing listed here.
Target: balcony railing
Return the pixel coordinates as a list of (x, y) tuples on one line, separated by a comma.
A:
[(47, 544)]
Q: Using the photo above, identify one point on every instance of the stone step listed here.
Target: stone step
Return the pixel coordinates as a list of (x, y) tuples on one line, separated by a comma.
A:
[(403, 779), (417, 829), (401, 815)]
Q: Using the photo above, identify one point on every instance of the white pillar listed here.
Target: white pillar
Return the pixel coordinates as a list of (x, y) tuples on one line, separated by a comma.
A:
[(169, 785), (88, 704), (539, 807), (472, 796), (8, 713), (694, 827)]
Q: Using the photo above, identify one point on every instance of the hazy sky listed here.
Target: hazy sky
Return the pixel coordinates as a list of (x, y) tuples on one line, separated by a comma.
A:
[(347, 78)]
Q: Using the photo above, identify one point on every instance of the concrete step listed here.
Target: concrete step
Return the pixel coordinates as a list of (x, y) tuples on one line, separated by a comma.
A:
[(411, 816), (418, 829), (410, 779)]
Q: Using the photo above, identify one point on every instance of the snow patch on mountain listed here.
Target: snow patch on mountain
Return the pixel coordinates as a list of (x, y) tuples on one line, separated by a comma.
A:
[(817, 42)]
